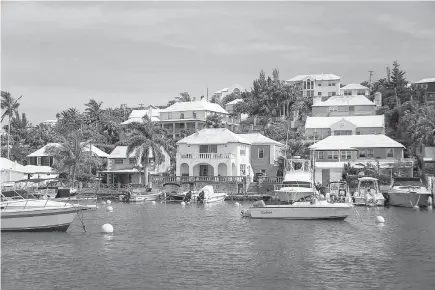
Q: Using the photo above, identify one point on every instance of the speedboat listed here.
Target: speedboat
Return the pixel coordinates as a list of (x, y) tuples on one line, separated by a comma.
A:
[(20, 214), (298, 181), (368, 192), (174, 192), (338, 191), (408, 192), (207, 195), (305, 210)]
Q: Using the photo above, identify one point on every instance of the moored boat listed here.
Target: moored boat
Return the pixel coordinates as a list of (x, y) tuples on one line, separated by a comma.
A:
[(408, 192), (368, 192), (208, 195)]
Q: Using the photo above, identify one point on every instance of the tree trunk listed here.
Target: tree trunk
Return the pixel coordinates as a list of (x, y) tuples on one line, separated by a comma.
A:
[(9, 134), (73, 175), (145, 172)]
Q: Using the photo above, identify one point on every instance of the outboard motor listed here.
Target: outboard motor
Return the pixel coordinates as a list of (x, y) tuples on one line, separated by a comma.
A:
[(188, 196), (126, 197), (201, 196)]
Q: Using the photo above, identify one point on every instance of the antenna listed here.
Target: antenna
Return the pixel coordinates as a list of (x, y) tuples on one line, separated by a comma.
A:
[(371, 74)]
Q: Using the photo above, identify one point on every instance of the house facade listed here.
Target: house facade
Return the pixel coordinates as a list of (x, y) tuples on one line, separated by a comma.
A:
[(333, 152), (317, 86), (123, 169), (264, 153), (137, 116), (355, 105), (213, 152), (354, 89), (192, 116), (318, 128), (429, 85), (236, 89)]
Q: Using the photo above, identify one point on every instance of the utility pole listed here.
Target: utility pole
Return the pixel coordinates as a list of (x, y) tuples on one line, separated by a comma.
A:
[(371, 74)]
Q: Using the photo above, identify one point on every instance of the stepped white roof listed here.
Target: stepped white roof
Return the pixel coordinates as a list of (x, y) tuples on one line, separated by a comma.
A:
[(236, 101), (317, 77), (355, 100), (375, 121), (6, 164), (121, 152), (424, 81), (354, 87), (353, 142), (41, 151), (137, 116), (259, 139), (213, 136), (202, 105)]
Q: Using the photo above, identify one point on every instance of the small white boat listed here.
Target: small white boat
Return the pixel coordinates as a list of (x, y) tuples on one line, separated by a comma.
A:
[(368, 192), (338, 191), (408, 192), (207, 195), (173, 192), (37, 215), (138, 195), (310, 210)]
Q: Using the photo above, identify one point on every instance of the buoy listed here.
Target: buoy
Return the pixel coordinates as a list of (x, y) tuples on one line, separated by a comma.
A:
[(109, 208), (107, 228), (183, 203), (109, 202), (429, 201), (153, 202), (237, 204), (379, 219), (416, 207)]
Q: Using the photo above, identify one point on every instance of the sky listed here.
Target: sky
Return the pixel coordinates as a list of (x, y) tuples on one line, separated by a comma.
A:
[(61, 54)]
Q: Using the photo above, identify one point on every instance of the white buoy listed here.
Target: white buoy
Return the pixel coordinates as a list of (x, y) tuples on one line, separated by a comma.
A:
[(416, 207), (183, 203), (109, 208), (321, 197), (153, 202), (109, 202), (379, 219), (429, 201), (107, 228), (237, 204)]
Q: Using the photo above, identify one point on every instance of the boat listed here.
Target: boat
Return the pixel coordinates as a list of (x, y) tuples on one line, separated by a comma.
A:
[(207, 195), (139, 195), (338, 191), (306, 210), (20, 214), (173, 192), (408, 192), (298, 181), (368, 192)]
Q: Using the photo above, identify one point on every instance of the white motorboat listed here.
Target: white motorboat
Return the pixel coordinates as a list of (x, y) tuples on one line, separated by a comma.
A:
[(37, 215), (309, 210), (173, 192), (298, 181), (408, 192), (138, 195), (339, 191), (368, 192), (207, 195)]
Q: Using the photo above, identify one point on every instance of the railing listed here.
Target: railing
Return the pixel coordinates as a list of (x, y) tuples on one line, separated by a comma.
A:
[(208, 156), (273, 180), (217, 179)]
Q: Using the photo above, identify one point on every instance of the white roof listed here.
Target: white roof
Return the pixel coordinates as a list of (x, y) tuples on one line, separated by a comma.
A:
[(353, 142), (317, 77), (354, 87), (259, 139), (213, 136), (7, 164), (41, 151), (428, 80), (121, 152), (202, 105), (236, 101), (375, 121), (355, 100), (231, 89), (137, 116)]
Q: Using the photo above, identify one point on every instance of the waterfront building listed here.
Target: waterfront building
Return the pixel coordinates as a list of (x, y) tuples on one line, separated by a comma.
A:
[(264, 153), (13, 171), (152, 112), (42, 158), (355, 105), (317, 86), (123, 169), (333, 152), (192, 116), (354, 89), (213, 152), (234, 89)]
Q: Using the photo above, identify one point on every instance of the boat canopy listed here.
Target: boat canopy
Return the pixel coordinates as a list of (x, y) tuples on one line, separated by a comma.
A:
[(171, 183), (367, 178)]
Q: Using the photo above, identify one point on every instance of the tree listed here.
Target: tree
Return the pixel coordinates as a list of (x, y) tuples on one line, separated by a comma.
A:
[(9, 105), (73, 156), (184, 97), (146, 139), (94, 111), (214, 121)]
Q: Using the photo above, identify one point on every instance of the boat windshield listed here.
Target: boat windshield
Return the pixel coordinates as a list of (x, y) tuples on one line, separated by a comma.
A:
[(296, 184)]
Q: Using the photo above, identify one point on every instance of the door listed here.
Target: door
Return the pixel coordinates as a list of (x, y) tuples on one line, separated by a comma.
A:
[(203, 170), (326, 176)]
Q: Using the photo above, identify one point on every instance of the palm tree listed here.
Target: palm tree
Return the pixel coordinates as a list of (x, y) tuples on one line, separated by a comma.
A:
[(94, 111), (146, 139), (20, 124), (9, 105), (73, 156)]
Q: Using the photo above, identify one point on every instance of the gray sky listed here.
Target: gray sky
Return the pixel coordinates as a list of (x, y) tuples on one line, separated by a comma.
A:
[(59, 55)]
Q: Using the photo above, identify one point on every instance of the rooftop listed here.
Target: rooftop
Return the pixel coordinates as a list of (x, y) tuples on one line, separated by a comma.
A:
[(41, 151), (317, 77), (354, 87), (424, 81), (259, 139), (236, 101), (121, 152), (353, 142), (356, 100), (213, 136), (202, 105), (374, 121), (231, 89)]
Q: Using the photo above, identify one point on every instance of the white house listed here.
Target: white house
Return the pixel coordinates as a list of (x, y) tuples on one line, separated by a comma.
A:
[(236, 89), (317, 86), (137, 116), (230, 109), (344, 105), (13, 171), (213, 152)]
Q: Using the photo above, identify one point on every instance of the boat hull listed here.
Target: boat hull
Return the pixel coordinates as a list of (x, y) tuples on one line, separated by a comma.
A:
[(302, 212), (291, 196), (216, 198), (361, 201), (408, 199), (47, 219), (142, 198)]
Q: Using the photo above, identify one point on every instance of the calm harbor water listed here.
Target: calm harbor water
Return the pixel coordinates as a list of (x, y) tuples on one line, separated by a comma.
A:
[(211, 247)]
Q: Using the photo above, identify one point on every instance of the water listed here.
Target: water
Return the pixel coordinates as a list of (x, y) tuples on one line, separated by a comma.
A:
[(211, 247)]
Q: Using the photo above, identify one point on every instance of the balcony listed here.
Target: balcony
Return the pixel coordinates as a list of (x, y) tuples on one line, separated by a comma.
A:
[(213, 179), (208, 156)]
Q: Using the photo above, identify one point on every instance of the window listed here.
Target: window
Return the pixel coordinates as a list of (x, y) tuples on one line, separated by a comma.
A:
[(118, 161), (333, 84), (207, 148), (361, 92), (38, 160), (194, 114), (348, 93), (333, 109), (182, 116), (242, 169), (260, 153), (169, 116), (132, 161), (320, 84), (319, 94), (362, 153), (370, 153), (319, 154), (263, 171), (346, 155), (358, 132), (329, 94), (332, 155), (333, 93), (390, 153)]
